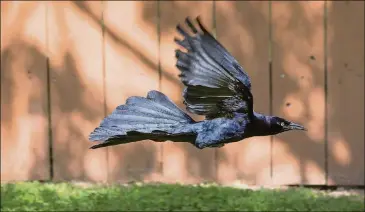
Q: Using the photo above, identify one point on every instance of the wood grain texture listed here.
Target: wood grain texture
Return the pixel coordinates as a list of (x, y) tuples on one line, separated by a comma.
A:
[(298, 91), (76, 83), (182, 162), (102, 52), (24, 113), (243, 28), (345, 92), (131, 61)]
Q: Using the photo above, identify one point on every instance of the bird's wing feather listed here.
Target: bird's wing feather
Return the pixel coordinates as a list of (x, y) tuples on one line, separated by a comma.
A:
[(216, 85)]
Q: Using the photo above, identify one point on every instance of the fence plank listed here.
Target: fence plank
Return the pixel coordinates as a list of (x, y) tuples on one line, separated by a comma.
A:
[(182, 162), (131, 70), (346, 92), (24, 114), (298, 91), (76, 72), (75, 50), (243, 28)]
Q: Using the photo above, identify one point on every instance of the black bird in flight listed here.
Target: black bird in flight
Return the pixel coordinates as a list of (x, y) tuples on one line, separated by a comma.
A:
[(216, 86)]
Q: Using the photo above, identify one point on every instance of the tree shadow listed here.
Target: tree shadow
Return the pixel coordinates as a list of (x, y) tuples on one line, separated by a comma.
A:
[(345, 81), (69, 93), (292, 41), (243, 29), (150, 13), (24, 112), (23, 97), (137, 161)]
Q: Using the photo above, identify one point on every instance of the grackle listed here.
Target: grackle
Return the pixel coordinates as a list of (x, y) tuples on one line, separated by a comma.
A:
[(216, 86)]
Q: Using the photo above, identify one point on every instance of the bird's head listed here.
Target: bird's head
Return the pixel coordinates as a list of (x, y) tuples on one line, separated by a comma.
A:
[(279, 125)]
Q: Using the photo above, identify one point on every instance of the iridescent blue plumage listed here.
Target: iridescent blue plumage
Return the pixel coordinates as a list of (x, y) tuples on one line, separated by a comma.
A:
[(216, 86)]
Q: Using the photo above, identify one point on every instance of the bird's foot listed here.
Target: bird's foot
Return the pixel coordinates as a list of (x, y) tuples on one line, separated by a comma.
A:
[(216, 146), (202, 146)]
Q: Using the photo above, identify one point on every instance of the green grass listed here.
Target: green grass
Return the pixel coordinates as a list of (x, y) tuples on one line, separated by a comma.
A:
[(63, 196)]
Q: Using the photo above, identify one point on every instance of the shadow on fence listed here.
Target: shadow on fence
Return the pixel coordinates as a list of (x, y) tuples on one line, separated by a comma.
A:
[(69, 92)]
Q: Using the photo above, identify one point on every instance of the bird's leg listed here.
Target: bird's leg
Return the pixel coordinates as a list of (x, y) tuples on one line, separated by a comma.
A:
[(216, 146)]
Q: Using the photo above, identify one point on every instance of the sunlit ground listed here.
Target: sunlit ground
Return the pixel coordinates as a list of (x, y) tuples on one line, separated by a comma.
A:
[(69, 197)]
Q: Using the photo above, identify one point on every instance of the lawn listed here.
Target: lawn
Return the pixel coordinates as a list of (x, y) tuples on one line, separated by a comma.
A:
[(34, 196)]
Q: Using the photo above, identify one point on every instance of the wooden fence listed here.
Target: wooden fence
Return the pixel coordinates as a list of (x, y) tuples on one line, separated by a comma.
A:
[(65, 65)]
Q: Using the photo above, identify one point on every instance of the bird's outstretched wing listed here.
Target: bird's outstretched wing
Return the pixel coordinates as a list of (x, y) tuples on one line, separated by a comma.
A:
[(216, 85)]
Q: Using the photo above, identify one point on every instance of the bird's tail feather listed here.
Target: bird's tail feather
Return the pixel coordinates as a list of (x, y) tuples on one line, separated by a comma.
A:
[(153, 117)]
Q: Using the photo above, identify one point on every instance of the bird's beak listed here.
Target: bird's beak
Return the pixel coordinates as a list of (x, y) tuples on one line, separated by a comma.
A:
[(294, 126)]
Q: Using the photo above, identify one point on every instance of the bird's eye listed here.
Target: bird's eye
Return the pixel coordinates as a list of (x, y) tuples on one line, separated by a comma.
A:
[(282, 124)]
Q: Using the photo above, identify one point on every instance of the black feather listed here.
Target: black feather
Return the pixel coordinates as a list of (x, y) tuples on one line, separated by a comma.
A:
[(207, 67), (216, 86), (192, 27), (141, 118)]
